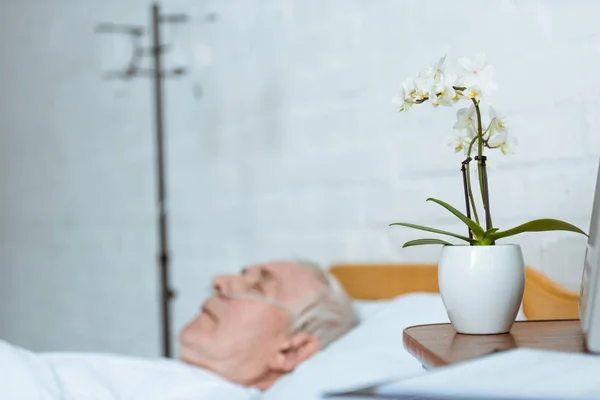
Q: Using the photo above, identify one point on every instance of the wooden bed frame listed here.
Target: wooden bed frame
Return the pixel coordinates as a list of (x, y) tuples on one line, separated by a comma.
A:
[(543, 299)]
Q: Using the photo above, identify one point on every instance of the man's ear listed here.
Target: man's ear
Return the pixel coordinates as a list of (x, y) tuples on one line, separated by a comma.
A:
[(294, 350)]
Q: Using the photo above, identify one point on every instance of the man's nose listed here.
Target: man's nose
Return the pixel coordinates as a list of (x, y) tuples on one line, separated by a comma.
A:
[(228, 284), (219, 283)]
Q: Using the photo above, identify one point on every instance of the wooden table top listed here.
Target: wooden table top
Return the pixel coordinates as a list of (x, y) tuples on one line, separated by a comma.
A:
[(438, 344)]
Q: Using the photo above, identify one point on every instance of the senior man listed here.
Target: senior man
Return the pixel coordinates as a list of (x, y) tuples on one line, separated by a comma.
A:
[(256, 327), (263, 322)]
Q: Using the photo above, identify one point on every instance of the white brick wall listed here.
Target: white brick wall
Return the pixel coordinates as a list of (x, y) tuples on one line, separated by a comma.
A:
[(78, 238), (293, 150)]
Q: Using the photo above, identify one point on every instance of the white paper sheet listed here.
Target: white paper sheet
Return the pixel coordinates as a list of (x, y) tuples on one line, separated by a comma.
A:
[(515, 374)]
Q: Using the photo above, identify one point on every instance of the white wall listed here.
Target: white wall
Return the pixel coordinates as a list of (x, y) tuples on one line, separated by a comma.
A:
[(78, 237), (292, 149)]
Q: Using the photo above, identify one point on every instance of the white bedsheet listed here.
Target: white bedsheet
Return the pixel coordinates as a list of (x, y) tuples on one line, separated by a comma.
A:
[(87, 376)]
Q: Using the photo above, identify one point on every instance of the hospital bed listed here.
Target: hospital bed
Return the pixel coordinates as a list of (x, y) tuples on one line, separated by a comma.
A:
[(387, 297), (390, 297)]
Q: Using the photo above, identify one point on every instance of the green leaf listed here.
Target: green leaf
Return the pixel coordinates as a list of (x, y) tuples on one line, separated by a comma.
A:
[(490, 231), (487, 238), (538, 225), (474, 226), (433, 230), (418, 242)]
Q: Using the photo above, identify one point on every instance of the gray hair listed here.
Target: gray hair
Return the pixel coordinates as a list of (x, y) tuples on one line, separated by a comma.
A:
[(328, 313)]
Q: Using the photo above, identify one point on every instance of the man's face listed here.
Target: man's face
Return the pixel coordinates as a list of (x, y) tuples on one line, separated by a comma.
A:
[(242, 338)]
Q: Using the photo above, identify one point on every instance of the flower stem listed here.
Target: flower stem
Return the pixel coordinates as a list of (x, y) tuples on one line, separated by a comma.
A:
[(488, 214), (481, 168), (470, 190), (468, 179), (479, 137), (463, 169)]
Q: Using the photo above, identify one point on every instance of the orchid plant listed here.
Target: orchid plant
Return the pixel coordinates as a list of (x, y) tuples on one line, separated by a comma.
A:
[(470, 82)]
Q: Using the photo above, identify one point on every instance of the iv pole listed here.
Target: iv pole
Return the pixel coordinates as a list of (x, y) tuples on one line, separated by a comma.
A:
[(166, 293), (157, 74)]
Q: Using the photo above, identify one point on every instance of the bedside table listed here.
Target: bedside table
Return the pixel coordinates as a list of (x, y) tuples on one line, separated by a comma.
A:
[(438, 344)]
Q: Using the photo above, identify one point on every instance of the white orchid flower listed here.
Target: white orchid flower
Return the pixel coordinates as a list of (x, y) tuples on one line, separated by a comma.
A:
[(438, 70), (440, 63), (401, 103), (423, 88), (435, 71), (497, 122), (466, 117), (443, 96), (443, 93), (504, 141), (475, 69), (472, 92), (408, 93), (409, 87), (461, 140), (478, 72), (457, 143)]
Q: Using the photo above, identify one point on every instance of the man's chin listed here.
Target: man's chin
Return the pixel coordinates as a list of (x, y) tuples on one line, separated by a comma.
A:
[(189, 335), (185, 356), (194, 336), (191, 356)]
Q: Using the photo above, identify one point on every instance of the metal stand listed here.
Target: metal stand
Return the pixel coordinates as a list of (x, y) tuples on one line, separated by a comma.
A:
[(156, 50), (463, 170)]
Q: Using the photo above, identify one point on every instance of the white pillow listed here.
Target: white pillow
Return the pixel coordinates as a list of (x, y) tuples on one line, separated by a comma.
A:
[(521, 315), (371, 353), (365, 309), (369, 308)]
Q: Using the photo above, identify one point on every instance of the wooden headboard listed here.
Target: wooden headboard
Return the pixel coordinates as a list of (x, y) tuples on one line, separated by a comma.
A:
[(542, 299)]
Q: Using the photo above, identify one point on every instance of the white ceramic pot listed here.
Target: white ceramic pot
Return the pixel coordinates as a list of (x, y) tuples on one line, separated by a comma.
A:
[(482, 287)]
